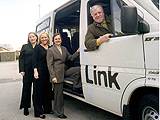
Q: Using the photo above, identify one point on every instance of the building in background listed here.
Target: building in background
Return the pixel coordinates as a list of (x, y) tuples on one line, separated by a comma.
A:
[(7, 53)]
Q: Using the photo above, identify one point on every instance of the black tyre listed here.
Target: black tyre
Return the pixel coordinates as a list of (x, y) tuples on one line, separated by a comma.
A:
[(148, 108)]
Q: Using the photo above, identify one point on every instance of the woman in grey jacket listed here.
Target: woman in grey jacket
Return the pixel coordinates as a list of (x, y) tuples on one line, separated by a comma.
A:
[(57, 55)]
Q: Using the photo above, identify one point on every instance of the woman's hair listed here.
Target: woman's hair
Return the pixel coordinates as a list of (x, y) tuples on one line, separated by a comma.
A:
[(55, 34), (47, 36), (34, 34)]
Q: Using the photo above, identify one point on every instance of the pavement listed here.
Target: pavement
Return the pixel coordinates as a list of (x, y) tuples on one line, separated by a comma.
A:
[(10, 93), (9, 72)]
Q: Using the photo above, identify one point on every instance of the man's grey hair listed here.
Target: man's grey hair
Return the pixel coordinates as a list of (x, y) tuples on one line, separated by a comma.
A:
[(95, 7)]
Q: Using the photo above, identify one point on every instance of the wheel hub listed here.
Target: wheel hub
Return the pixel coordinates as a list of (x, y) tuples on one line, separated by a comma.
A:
[(150, 113)]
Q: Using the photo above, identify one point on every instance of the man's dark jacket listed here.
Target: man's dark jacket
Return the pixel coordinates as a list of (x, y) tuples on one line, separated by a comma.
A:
[(95, 30)]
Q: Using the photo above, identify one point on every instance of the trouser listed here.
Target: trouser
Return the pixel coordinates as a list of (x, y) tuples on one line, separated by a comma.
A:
[(26, 93), (38, 97), (74, 74), (42, 90), (58, 99)]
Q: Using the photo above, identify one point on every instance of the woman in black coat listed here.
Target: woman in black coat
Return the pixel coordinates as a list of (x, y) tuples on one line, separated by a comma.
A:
[(42, 88), (26, 70)]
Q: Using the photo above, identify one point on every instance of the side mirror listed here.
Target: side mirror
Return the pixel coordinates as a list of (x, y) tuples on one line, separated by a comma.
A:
[(129, 20), (143, 27)]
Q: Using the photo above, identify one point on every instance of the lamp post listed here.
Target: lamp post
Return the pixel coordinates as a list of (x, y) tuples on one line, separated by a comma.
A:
[(39, 9)]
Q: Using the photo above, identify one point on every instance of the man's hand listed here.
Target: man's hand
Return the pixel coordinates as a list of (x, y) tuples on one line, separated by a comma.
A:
[(105, 38)]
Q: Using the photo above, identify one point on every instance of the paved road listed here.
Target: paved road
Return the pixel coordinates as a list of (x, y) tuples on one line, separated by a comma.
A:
[(10, 91), (9, 72)]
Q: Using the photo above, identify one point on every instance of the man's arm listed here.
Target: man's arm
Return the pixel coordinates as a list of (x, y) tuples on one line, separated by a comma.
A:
[(90, 40), (92, 43)]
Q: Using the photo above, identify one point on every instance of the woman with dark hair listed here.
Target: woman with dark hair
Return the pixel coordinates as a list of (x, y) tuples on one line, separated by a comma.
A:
[(42, 88), (26, 70), (57, 55)]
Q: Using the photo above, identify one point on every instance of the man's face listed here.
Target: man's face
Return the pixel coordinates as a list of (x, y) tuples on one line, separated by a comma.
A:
[(98, 15)]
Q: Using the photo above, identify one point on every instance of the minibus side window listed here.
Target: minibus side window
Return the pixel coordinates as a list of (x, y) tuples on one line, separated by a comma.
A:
[(156, 3), (116, 17), (104, 4)]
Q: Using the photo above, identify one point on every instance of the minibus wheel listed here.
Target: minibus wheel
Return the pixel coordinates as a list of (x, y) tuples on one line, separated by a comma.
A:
[(148, 108)]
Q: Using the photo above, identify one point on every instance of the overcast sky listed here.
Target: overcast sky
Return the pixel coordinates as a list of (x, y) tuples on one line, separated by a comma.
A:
[(18, 17)]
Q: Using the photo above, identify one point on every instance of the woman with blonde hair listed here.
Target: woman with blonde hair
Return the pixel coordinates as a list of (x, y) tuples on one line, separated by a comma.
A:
[(42, 88)]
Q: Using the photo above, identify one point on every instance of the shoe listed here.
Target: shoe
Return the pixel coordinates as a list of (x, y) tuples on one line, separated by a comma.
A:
[(26, 111), (62, 116), (42, 116)]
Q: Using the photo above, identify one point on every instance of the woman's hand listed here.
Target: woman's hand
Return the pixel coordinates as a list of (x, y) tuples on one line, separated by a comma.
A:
[(54, 80), (78, 50), (36, 75), (22, 73)]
